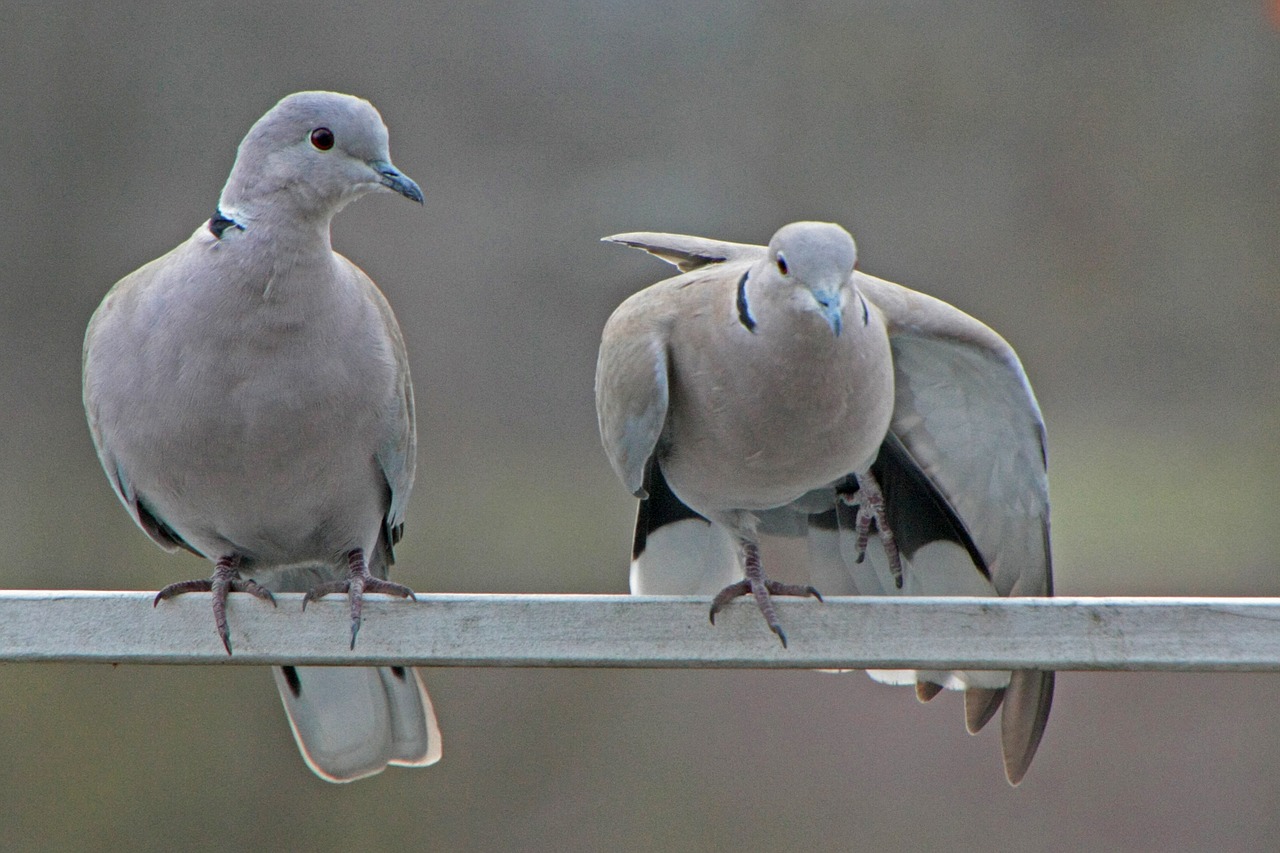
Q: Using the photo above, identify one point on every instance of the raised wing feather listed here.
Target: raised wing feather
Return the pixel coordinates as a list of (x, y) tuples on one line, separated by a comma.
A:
[(966, 412), (686, 252)]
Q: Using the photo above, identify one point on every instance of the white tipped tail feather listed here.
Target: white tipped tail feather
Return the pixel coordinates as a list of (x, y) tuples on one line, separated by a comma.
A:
[(326, 704)]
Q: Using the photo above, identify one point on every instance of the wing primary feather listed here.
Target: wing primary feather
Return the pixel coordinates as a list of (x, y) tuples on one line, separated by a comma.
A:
[(918, 511)]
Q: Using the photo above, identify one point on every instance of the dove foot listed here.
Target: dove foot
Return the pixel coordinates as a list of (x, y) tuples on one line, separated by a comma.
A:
[(762, 589), (226, 579), (355, 585), (869, 499)]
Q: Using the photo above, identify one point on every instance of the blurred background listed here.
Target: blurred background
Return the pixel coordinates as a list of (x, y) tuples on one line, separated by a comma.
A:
[(1098, 182)]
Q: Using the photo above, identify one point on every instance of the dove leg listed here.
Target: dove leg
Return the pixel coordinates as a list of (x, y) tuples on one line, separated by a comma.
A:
[(357, 582), (226, 579), (761, 588), (869, 499)]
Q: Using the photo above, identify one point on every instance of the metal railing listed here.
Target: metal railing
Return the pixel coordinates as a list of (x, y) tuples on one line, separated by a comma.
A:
[(1064, 633)]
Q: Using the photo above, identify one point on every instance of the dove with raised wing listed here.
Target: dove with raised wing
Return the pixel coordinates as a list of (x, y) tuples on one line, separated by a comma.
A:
[(778, 390)]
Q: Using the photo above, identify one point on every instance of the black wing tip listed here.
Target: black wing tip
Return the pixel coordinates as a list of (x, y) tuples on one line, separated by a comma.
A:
[(658, 508), (290, 674), (912, 528)]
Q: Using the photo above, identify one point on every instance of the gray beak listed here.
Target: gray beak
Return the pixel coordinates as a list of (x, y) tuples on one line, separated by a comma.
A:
[(393, 179), (831, 307)]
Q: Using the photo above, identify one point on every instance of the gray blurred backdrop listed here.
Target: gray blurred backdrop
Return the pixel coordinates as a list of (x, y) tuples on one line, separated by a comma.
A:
[(1099, 182)]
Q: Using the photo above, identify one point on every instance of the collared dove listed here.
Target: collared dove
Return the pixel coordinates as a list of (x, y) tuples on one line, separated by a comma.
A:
[(249, 397), (778, 390)]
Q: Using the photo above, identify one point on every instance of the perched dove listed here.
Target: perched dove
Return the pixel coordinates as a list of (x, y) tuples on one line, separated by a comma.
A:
[(249, 398), (777, 390)]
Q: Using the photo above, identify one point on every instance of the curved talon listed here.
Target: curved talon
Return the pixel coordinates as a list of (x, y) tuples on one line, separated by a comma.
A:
[(355, 585), (729, 593), (762, 589), (257, 590), (225, 580), (800, 590), (198, 585), (319, 591)]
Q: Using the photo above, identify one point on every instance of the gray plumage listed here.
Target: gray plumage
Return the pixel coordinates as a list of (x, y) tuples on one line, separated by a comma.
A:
[(250, 400), (777, 390)]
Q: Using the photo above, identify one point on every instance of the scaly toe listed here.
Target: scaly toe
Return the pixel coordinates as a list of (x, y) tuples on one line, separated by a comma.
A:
[(173, 589), (729, 593), (373, 584), (319, 591)]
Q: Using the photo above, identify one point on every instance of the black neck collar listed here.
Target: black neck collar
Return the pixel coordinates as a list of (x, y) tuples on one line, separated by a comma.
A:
[(220, 222)]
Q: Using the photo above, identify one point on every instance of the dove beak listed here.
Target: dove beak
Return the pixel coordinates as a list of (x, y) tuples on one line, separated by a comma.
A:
[(395, 180), (831, 307)]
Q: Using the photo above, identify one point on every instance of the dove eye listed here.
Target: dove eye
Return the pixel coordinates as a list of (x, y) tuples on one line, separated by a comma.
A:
[(782, 265), (322, 138)]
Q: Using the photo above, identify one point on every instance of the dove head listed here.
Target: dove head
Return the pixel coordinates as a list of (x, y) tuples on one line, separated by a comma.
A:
[(817, 259), (312, 154)]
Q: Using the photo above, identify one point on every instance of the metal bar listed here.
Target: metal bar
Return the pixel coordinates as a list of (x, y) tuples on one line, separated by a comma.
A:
[(1172, 634)]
